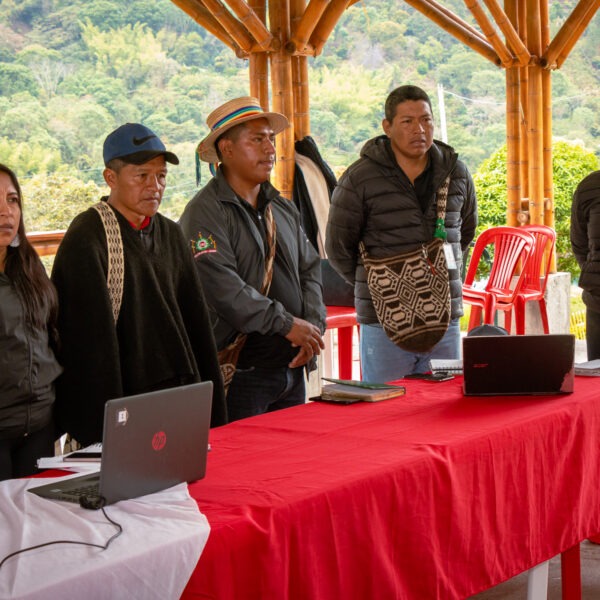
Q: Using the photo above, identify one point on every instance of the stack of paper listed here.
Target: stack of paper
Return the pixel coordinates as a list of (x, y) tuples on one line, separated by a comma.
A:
[(591, 368), (346, 389), (446, 365), (83, 460)]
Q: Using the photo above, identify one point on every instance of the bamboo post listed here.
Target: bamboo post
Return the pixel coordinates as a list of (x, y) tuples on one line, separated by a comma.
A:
[(258, 70), (548, 217), (282, 96), (524, 93), (513, 125), (299, 78), (536, 116), (513, 120), (301, 96), (490, 33)]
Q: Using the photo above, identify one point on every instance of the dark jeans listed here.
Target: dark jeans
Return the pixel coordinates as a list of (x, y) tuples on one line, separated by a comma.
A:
[(257, 390), (592, 333), (18, 457)]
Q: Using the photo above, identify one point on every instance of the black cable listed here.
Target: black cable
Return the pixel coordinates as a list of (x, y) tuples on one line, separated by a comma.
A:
[(102, 547)]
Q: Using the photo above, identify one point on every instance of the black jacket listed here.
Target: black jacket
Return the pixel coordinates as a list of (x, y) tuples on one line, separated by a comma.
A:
[(374, 203), (28, 369), (163, 337), (230, 256), (585, 237)]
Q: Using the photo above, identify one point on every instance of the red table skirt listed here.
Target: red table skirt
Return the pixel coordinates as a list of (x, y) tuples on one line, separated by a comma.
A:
[(429, 495)]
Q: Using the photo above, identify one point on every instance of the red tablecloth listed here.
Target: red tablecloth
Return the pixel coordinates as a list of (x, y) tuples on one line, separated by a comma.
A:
[(430, 495)]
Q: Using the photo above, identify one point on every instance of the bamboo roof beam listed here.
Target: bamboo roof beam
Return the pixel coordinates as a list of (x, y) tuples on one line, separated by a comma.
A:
[(452, 17), (303, 29), (258, 63), (456, 29), (252, 23), (569, 33), (564, 54), (490, 33), (331, 15), (234, 28), (307, 50), (515, 43), (202, 16)]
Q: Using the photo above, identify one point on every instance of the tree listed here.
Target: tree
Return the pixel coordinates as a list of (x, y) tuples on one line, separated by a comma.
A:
[(16, 78), (51, 202), (571, 163), (27, 158)]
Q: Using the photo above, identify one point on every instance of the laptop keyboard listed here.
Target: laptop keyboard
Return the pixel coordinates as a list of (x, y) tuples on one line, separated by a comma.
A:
[(84, 490)]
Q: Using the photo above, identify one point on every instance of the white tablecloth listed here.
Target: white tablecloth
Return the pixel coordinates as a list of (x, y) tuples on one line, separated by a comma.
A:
[(163, 537)]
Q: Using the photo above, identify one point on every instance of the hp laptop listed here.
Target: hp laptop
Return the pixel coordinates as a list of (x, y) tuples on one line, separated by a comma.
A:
[(518, 364), (151, 441)]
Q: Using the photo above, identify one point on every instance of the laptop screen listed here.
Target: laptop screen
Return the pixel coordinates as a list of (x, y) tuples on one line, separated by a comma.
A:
[(518, 364)]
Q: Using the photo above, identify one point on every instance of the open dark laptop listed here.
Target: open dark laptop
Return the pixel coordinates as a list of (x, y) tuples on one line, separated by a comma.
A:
[(151, 442), (518, 364)]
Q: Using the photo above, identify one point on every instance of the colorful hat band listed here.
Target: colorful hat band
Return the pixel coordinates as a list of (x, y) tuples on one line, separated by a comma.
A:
[(241, 112)]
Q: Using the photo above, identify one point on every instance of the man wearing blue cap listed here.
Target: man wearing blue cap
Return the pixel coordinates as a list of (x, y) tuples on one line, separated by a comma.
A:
[(132, 314)]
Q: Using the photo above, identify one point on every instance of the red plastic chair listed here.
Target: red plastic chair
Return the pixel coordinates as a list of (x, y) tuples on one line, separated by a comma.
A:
[(343, 318), (535, 276), (511, 248)]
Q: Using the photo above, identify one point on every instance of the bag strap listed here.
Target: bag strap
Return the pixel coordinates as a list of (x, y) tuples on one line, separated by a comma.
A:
[(442, 198), (440, 228), (271, 228), (116, 262)]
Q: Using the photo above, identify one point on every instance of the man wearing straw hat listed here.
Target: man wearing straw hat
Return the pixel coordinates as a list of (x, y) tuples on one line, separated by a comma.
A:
[(261, 275)]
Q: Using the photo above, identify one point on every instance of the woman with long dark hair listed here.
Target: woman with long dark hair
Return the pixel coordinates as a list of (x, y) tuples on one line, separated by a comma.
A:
[(28, 367)]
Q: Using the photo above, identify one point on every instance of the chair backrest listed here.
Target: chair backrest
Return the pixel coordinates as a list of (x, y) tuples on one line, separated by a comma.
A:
[(510, 245), (541, 257)]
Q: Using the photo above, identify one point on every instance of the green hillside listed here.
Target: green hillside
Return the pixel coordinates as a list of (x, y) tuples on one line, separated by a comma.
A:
[(72, 70)]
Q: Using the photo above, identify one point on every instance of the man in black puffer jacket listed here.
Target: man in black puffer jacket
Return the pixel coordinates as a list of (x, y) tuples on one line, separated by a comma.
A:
[(585, 241), (387, 200)]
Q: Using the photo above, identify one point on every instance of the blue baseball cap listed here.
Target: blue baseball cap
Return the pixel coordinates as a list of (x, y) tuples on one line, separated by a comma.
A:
[(136, 144)]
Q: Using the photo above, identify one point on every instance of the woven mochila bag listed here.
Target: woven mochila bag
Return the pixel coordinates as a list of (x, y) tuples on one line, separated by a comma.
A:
[(411, 290)]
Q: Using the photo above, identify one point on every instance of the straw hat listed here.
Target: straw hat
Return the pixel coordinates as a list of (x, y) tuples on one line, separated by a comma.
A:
[(230, 114)]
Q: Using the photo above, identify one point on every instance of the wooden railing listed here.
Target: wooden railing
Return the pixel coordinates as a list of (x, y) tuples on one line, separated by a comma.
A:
[(46, 242)]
